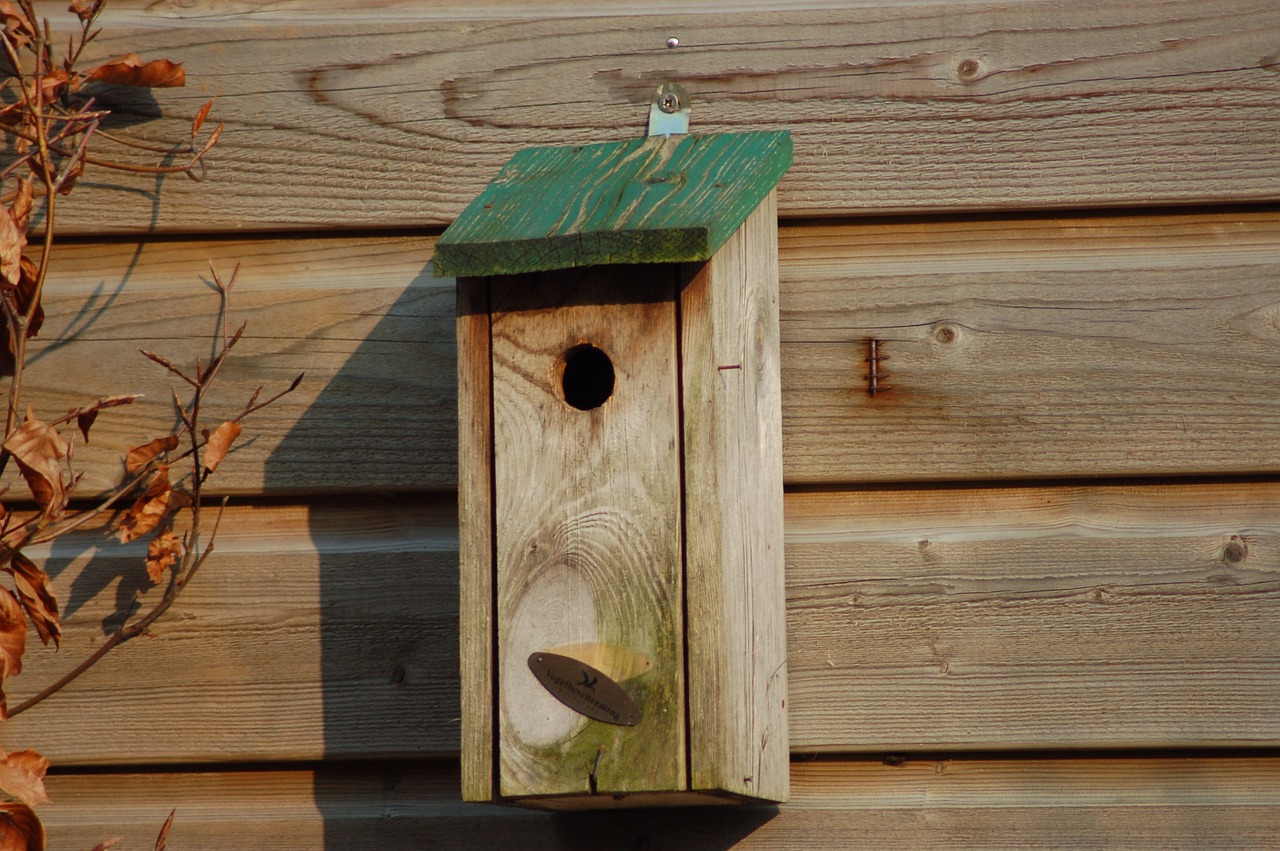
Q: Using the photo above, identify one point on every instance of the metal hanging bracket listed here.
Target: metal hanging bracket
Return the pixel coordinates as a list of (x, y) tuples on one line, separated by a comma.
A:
[(669, 111)]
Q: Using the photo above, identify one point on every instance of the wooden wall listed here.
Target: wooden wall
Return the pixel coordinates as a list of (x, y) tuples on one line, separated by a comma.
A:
[(1033, 589)]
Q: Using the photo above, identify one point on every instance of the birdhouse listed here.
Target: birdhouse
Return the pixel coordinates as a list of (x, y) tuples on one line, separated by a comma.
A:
[(620, 475)]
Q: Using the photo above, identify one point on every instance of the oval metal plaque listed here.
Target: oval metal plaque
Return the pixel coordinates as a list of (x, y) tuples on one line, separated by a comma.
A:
[(584, 689)]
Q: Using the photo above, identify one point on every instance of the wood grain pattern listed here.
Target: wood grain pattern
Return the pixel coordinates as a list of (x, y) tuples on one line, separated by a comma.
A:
[(894, 107), (1204, 802), (919, 613), (737, 649), (1031, 348), (587, 512), (1054, 347), (970, 618)]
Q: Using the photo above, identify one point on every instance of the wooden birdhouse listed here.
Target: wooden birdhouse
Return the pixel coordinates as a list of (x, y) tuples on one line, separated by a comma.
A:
[(620, 475)]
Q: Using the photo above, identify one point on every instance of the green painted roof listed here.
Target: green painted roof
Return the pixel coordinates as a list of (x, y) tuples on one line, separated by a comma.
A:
[(646, 200)]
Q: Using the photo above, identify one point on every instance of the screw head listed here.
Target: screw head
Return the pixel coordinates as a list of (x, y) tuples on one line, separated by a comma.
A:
[(673, 42), (669, 103)]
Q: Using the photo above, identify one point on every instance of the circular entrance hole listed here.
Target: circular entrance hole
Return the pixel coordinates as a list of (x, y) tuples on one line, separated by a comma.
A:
[(588, 377)]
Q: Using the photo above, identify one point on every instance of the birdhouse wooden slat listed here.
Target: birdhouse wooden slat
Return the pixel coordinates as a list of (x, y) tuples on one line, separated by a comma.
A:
[(620, 475)]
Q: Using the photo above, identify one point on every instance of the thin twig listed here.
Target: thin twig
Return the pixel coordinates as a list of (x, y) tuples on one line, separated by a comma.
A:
[(167, 364), (100, 405), (216, 364), (182, 411), (251, 408)]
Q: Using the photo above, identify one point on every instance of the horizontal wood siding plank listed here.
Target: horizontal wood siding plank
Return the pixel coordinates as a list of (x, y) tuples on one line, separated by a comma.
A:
[(918, 619), (1011, 618), (927, 106), (312, 631), (1040, 347), (363, 319), (1199, 802)]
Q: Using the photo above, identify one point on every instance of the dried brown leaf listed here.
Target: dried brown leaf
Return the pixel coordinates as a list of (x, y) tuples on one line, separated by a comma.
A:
[(52, 84), (13, 641), (198, 121), (35, 592), (16, 24), (152, 508), (213, 138), (39, 449), (22, 776), (12, 242), (84, 9), (86, 415), (85, 421), (141, 456), (20, 209), (148, 509), (20, 828), (131, 71), (163, 838), (217, 444), (107, 843), (25, 292), (162, 553)]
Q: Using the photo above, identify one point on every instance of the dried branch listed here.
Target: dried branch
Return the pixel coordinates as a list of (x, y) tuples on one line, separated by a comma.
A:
[(167, 364), (53, 127), (252, 408), (193, 554)]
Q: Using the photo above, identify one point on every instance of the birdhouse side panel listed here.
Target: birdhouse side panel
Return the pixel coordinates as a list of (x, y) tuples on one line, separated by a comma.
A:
[(475, 539), (588, 528), (736, 630)]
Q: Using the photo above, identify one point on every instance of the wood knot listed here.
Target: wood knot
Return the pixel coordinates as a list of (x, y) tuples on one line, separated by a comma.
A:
[(1235, 551), (969, 70)]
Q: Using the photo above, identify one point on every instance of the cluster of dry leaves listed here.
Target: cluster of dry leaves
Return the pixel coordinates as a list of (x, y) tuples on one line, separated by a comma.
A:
[(51, 122)]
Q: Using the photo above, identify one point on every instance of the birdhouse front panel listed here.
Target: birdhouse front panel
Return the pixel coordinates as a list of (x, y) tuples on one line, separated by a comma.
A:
[(586, 472)]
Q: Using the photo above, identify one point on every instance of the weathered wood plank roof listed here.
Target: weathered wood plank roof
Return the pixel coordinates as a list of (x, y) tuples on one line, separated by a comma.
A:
[(645, 200)]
